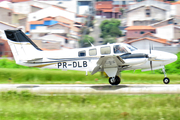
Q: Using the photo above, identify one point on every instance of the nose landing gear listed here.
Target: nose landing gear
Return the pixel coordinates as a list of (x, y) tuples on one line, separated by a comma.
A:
[(114, 80), (166, 80)]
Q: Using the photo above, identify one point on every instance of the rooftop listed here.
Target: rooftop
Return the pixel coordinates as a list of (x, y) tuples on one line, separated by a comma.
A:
[(104, 4), (36, 22), (8, 24), (164, 41), (19, 0), (140, 28)]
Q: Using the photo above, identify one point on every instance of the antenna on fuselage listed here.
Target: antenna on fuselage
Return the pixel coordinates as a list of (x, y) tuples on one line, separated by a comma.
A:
[(91, 43)]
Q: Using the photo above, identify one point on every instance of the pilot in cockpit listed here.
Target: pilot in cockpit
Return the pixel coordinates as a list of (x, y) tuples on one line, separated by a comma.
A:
[(118, 49)]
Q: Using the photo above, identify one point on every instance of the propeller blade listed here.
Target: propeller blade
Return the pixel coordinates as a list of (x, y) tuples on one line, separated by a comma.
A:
[(151, 65), (150, 47)]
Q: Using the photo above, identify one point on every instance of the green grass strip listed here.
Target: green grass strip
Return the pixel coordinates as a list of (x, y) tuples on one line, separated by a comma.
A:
[(36, 76), (26, 106)]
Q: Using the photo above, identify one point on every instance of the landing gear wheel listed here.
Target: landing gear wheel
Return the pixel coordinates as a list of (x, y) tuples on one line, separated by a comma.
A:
[(114, 80), (166, 80)]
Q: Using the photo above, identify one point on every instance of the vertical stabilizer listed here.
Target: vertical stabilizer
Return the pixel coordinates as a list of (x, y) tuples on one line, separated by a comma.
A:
[(21, 46)]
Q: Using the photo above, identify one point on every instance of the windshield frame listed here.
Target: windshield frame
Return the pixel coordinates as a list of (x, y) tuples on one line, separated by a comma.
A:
[(130, 47)]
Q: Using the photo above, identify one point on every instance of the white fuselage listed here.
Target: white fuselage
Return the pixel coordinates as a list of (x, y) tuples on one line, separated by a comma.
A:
[(85, 59)]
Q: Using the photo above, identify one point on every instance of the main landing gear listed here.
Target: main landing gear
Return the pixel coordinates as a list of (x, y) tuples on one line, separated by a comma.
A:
[(114, 80), (166, 80)]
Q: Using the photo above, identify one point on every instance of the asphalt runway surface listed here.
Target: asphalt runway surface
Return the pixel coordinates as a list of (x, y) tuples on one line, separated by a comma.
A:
[(93, 88)]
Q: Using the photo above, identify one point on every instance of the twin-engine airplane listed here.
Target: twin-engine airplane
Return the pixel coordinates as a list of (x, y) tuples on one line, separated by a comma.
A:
[(110, 58)]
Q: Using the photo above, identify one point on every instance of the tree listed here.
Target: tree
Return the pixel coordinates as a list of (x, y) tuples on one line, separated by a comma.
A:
[(86, 41), (109, 39), (85, 30), (110, 27)]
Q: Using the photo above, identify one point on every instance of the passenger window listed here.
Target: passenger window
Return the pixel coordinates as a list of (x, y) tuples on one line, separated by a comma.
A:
[(105, 50), (82, 53), (119, 49), (92, 52)]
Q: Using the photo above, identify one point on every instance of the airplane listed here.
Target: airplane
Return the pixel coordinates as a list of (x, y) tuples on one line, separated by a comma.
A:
[(110, 58)]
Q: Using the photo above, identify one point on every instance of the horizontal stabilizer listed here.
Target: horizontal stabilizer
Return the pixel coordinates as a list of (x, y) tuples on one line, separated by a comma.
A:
[(34, 60)]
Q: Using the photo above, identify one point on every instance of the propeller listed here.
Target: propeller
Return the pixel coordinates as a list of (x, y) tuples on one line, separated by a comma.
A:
[(150, 48)]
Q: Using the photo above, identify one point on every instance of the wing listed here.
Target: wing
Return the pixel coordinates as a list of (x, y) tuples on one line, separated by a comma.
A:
[(108, 62)]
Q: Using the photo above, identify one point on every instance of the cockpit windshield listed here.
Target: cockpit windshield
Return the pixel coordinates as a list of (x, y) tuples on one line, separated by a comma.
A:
[(130, 47), (119, 49)]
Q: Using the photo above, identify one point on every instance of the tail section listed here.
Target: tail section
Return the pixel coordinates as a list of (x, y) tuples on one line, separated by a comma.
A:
[(21, 46)]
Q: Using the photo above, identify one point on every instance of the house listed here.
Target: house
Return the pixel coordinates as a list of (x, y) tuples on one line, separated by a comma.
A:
[(5, 49), (164, 22), (61, 26), (170, 32), (50, 25), (10, 14), (52, 11), (17, 12), (147, 12), (64, 20), (176, 7), (14, 1), (47, 29), (83, 6), (6, 14), (35, 8), (134, 32), (148, 40), (5, 26), (122, 3), (105, 9), (55, 41)]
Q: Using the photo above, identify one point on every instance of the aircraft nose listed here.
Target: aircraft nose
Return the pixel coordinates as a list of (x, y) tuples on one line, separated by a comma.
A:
[(173, 57)]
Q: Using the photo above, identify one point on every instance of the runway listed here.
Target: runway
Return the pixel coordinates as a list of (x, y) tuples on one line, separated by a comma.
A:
[(93, 88)]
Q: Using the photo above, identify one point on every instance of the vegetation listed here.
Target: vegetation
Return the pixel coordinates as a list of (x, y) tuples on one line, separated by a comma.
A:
[(86, 41), (33, 76), (90, 21), (27, 106), (174, 67), (110, 27), (6, 63), (84, 31), (109, 39)]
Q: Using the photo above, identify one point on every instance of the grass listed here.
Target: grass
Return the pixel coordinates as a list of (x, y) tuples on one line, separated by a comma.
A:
[(35, 76), (26, 106)]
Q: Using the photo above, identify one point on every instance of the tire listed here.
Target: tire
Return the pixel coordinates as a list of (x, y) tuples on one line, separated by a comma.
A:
[(114, 81), (166, 80)]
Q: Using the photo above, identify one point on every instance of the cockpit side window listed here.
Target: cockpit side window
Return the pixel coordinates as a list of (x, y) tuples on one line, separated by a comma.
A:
[(119, 49), (131, 47)]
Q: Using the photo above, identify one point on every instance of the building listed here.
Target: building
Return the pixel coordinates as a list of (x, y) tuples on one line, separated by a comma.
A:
[(105, 9), (123, 3), (170, 32), (5, 49), (147, 12), (6, 14), (134, 32), (5, 26), (148, 40)]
